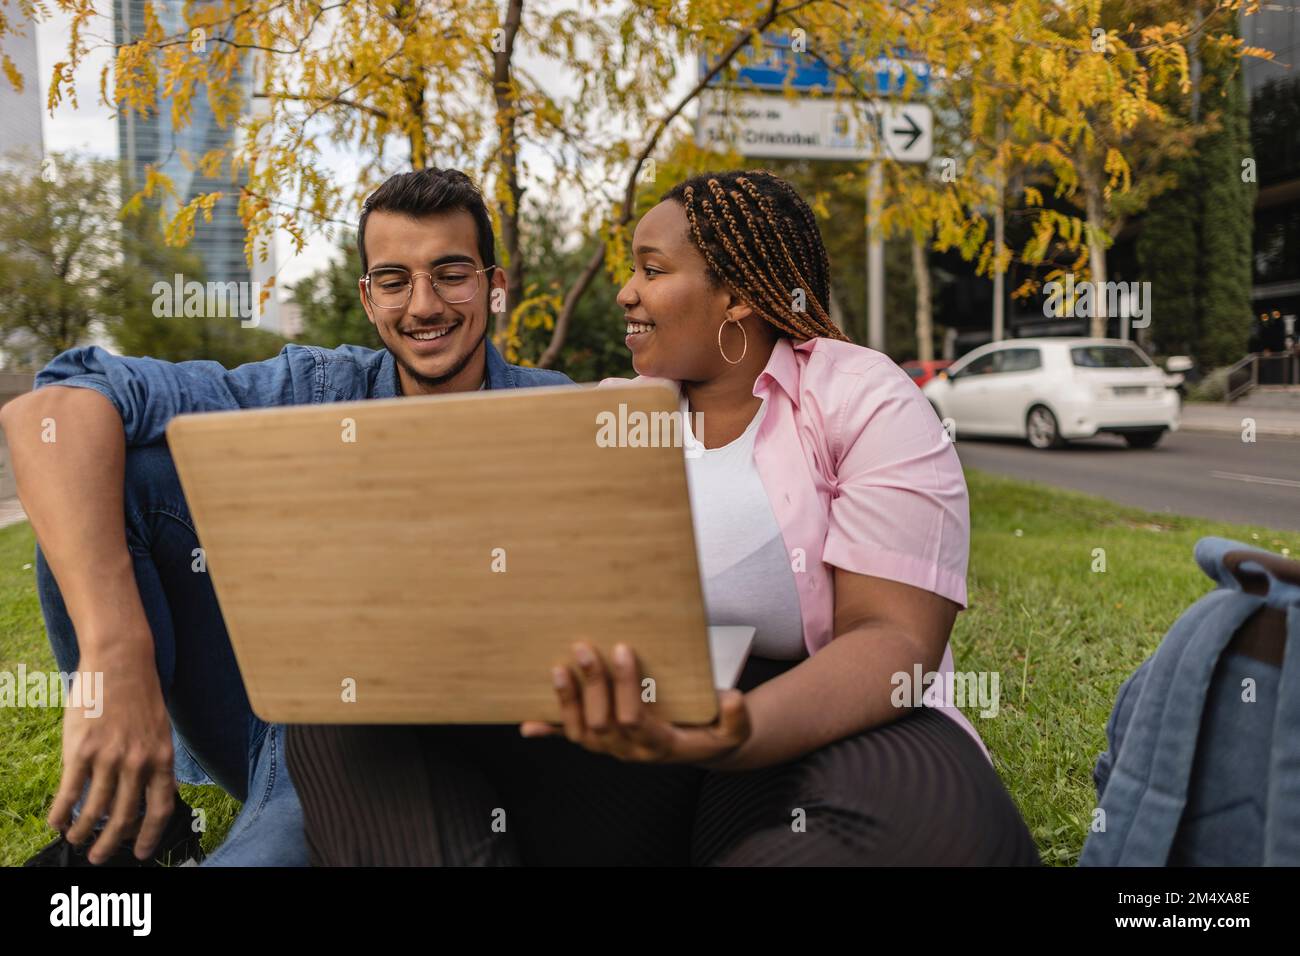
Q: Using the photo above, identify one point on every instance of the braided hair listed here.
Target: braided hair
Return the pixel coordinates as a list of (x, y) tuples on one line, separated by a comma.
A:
[(761, 240)]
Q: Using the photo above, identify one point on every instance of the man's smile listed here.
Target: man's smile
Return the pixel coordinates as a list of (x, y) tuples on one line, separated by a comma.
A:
[(427, 340)]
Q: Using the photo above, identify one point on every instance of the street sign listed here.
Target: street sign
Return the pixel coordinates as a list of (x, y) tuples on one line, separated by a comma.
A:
[(780, 67), (758, 124)]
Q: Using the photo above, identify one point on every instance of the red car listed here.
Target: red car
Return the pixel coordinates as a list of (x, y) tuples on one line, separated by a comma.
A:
[(922, 372)]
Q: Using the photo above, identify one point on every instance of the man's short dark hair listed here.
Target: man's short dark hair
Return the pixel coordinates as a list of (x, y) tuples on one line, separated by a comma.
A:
[(425, 192)]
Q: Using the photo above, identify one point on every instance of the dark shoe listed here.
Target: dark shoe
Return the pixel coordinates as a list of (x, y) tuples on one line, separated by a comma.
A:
[(179, 846)]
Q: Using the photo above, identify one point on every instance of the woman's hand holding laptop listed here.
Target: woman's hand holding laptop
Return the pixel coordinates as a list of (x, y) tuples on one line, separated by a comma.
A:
[(603, 711)]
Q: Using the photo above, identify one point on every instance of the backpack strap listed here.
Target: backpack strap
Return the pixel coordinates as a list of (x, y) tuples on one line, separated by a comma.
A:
[(1277, 581), (1282, 821)]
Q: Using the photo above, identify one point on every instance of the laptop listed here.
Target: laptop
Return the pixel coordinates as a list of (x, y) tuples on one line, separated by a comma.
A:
[(429, 559)]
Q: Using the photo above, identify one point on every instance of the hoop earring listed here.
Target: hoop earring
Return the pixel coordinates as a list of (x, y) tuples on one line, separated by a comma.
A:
[(744, 348)]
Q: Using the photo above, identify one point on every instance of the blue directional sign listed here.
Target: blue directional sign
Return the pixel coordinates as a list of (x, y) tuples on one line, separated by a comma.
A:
[(777, 66)]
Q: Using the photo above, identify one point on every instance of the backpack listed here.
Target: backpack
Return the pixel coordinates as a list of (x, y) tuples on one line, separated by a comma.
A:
[(1197, 772)]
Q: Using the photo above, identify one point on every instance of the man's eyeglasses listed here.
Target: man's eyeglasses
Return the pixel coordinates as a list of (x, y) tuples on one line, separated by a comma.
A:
[(392, 288)]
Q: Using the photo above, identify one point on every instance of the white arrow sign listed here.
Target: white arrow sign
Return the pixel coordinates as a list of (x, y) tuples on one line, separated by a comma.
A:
[(757, 124)]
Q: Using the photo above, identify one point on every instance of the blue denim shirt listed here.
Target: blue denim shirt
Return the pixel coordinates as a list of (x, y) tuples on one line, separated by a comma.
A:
[(148, 393)]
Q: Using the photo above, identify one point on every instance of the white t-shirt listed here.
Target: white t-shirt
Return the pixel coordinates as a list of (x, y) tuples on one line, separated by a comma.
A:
[(744, 566)]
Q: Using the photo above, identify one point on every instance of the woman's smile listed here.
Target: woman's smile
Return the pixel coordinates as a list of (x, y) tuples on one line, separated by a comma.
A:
[(637, 330)]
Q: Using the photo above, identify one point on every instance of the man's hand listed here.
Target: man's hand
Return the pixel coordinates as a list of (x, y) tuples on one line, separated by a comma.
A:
[(603, 712), (124, 752), (68, 450)]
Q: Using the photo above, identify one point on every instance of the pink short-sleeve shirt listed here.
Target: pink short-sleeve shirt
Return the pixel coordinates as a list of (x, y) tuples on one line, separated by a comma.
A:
[(861, 476)]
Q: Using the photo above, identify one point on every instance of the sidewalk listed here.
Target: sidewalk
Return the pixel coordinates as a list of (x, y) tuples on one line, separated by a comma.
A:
[(11, 512), (1219, 417)]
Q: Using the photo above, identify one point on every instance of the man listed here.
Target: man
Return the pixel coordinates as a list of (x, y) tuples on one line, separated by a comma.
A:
[(120, 587)]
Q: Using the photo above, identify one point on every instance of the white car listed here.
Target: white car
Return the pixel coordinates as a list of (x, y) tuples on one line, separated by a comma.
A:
[(1051, 390)]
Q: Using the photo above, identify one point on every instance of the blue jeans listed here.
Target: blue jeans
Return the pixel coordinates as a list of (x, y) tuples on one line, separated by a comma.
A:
[(218, 739)]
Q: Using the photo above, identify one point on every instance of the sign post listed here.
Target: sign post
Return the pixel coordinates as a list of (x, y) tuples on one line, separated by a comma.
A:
[(875, 259)]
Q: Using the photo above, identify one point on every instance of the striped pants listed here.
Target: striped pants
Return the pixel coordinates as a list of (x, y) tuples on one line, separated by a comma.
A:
[(917, 791)]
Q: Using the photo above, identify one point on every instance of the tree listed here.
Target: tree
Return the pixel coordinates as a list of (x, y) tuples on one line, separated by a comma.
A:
[(1168, 251), (1228, 203), (139, 325), (1076, 90), (59, 253), (447, 84), (330, 304), (1195, 241), (594, 347), (72, 263), (439, 82)]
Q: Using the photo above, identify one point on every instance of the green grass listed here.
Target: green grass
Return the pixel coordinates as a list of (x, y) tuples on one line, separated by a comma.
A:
[(1061, 636), (30, 736)]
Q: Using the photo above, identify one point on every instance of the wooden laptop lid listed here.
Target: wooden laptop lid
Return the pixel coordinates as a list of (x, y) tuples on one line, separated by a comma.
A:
[(428, 559)]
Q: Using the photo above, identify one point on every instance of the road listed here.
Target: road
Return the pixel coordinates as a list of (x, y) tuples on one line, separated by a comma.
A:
[(1204, 474)]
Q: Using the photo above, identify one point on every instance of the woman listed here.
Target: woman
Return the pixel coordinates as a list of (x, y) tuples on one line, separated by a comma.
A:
[(830, 513)]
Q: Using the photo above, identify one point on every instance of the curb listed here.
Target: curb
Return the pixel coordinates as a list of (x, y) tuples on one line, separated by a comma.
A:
[(1261, 430)]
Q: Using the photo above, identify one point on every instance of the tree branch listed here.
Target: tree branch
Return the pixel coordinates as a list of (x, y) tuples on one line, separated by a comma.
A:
[(325, 101)]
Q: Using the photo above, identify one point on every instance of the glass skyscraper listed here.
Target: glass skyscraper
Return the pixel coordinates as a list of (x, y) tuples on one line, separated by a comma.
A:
[(20, 113), (154, 141)]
